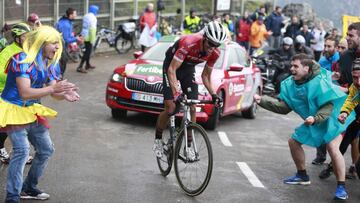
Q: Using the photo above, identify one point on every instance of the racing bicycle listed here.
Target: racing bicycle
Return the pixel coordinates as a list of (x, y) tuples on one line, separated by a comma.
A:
[(190, 149)]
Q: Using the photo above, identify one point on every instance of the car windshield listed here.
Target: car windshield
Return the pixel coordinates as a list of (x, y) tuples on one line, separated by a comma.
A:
[(157, 53), (220, 60)]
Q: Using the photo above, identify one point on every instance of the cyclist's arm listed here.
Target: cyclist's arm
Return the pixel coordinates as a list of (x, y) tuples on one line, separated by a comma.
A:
[(174, 65), (206, 78)]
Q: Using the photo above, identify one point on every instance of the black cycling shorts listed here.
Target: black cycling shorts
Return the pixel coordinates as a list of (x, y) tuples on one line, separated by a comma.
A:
[(185, 74)]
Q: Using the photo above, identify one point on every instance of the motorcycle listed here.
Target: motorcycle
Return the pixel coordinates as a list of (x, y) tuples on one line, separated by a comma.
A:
[(274, 69)]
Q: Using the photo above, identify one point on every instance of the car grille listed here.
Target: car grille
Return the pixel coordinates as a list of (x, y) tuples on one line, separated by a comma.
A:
[(142, 86)]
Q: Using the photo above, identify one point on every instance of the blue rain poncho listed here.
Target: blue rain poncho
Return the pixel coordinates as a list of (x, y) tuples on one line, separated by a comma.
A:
[(306, 99)]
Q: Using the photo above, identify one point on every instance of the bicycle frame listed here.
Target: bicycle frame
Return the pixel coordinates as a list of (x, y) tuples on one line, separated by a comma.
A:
[(186, 120)]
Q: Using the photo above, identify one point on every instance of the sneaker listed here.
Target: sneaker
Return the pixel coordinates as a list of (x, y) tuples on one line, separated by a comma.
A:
[(324, 174), (318, 161), (158, 148), (4, 156), (341, 193), (298, 180), (351, 173), (35, 195), (190, 154)]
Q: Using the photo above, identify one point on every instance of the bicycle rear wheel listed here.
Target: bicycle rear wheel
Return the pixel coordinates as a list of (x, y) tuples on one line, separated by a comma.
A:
[(122, 45), (193, 173)]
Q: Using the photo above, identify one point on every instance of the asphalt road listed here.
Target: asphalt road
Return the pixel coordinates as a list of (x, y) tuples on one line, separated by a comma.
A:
[(99, 159)]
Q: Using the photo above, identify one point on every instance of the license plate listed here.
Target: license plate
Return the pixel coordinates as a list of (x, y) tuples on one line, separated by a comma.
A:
[(147, 98)]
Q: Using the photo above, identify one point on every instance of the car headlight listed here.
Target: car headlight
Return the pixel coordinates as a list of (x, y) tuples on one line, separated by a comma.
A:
[(116, 77), (202, 90)]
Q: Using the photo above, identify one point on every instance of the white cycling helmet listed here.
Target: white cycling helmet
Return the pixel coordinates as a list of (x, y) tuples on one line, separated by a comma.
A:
[(300, 39), (288, 41), (215, 32)]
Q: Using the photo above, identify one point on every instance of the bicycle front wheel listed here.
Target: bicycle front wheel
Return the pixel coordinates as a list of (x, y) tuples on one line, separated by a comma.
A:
[(165, 162), (193, 170)]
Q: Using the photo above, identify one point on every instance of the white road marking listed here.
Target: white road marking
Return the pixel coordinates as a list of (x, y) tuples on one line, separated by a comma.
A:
[(246, 170), (224, 139)]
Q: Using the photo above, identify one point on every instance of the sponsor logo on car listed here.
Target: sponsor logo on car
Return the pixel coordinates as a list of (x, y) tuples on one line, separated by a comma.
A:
[(148, 69), (236, 89)]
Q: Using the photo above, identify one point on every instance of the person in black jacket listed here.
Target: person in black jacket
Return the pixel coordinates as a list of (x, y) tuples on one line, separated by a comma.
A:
[(274, 23), (306, 34), (293, 28)]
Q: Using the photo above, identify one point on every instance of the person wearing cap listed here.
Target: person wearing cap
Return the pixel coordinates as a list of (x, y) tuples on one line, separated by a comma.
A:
[(191, 23), (18, 32), (310, 93), (261, 11), (34, 21), (258, 34), (89, 34)]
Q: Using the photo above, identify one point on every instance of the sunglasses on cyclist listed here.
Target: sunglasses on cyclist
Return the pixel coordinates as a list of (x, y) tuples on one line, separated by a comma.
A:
[(341, 47), (211, 44)]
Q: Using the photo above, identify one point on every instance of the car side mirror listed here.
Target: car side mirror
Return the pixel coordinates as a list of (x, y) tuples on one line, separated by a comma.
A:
[(236, 67), (137, 54)]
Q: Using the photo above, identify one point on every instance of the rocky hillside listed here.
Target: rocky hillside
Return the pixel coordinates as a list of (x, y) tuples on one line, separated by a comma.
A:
[(330, 9)]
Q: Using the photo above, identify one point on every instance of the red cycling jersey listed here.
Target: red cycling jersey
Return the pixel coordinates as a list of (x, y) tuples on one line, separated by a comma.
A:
[(189, 50)]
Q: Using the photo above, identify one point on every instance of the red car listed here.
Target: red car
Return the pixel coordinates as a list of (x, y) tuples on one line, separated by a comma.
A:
[(137, 86)]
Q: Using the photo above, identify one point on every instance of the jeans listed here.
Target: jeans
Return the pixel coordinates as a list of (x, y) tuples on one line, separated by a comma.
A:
[(38, 135)]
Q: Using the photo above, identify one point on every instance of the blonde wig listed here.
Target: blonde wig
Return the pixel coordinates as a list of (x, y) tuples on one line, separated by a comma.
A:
[(37, 39)]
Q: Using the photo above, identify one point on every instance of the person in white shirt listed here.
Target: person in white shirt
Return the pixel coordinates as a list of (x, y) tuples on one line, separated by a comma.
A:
[(319, 40)]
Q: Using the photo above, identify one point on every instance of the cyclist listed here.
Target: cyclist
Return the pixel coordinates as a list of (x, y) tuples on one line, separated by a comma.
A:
[(179, 64)]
